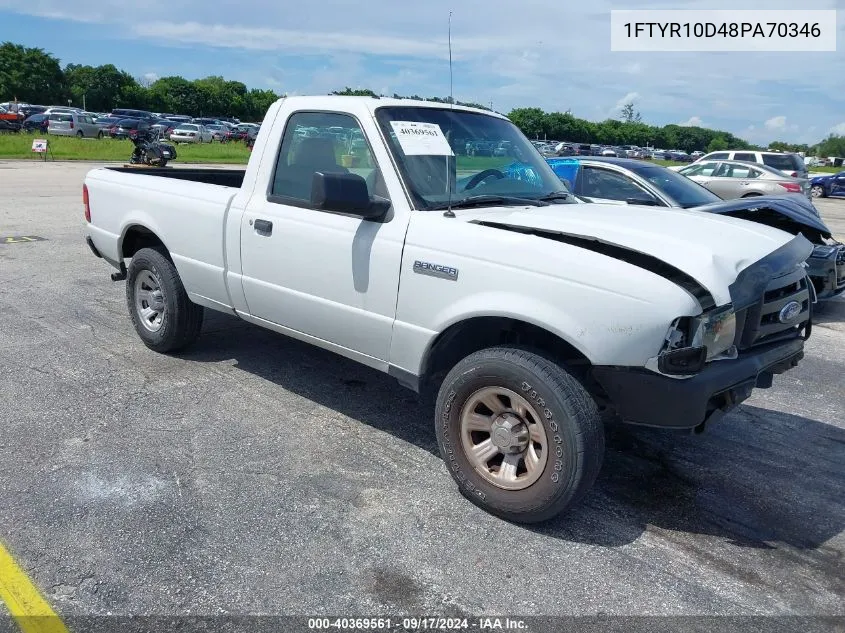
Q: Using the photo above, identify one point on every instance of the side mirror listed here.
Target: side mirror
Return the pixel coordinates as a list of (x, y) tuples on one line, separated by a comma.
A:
[(346, 193), (644, 199)]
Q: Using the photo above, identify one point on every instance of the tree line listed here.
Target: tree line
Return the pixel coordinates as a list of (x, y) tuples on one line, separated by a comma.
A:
[(35, 76)]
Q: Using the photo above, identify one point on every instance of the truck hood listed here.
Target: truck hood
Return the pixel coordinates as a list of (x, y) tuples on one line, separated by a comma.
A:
[(792, 213), (706, 248)]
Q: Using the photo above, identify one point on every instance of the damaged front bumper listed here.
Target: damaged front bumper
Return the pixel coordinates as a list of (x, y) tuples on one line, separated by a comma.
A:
[(640, 396)]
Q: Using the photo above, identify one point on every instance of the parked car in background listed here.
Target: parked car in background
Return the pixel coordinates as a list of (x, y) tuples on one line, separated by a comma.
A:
[(73, 124), (106, 123), (127, 128), (10, 121), (206, 121), (128, 113), (629, 181), (37, 123), (165, 127), (190, 133), (679, 156), (697, 154), (736, 179), (790, 164), (832, 186), (57, 109), (220, 133), (625, 181)]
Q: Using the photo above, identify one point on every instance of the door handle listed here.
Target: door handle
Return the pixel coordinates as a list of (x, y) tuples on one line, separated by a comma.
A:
[(263, 227)]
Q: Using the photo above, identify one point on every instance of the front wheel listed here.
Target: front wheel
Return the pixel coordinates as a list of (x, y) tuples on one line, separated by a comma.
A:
[(521, 437), (163, 316), (817, 191)]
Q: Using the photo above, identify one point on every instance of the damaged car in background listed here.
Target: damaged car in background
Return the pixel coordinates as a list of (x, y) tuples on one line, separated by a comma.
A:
[(622, 181)]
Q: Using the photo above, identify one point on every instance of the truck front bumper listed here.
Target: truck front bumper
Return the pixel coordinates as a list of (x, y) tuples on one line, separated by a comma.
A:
[(643, 397)]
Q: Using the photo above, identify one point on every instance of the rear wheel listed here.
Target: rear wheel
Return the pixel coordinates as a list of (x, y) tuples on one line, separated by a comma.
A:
[(100, 134), (521, 437), (79, 134), (163, 316)]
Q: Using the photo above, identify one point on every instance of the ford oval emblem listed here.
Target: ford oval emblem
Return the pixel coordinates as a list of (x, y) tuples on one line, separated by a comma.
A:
[(789, 312)]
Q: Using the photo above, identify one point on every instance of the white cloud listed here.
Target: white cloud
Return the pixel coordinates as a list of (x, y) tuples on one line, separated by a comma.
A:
[(151, 77), (776, 123), (629, 97), (838, 129), (693, 121)]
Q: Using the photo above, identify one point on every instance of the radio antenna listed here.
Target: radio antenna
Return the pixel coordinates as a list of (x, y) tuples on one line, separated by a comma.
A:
[(451, 93), (449, 213)]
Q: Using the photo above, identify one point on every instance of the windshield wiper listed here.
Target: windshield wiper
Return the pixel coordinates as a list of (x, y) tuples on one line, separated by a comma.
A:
[(475, 201), (556, 195)]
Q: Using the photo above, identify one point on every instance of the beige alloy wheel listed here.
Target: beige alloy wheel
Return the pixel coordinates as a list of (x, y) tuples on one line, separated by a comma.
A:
[(503, 437)]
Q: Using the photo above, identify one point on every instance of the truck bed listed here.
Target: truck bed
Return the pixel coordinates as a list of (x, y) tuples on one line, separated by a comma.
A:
[(210, 176)]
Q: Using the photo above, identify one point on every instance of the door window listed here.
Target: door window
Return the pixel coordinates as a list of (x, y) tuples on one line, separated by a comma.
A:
[(699, 169), (728, 170), (747, 156), (325, 142), (609, 185)]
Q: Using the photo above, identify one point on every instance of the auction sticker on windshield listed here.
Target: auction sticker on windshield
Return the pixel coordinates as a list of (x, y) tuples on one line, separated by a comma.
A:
[(421, 139)]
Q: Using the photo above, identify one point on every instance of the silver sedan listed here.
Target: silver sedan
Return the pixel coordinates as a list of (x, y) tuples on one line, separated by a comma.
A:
[(730, 179)]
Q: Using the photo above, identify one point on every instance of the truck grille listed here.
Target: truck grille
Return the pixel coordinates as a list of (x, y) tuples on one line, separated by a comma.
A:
[(761, 324)]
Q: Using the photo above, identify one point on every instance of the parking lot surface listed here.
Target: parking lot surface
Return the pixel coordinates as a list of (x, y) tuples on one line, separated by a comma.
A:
[(255, 474)]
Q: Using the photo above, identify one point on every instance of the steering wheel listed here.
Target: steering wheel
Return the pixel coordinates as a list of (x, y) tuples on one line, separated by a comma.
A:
[(483, 175)]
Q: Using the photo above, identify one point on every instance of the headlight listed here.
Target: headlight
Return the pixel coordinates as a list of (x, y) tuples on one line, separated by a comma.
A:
[(716, 331), (823, 250)]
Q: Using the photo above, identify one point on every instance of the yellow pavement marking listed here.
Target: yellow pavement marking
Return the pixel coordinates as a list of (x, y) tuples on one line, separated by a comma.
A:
[(28, 608)]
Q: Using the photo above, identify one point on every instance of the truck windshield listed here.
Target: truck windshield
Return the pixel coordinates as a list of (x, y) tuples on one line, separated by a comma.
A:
[(454, 156)]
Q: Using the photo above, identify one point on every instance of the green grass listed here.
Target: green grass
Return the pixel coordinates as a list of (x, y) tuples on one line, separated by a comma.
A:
[(107, 150)]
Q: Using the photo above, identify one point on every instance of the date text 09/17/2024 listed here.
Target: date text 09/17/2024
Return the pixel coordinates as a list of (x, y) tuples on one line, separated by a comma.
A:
[(418, 624)]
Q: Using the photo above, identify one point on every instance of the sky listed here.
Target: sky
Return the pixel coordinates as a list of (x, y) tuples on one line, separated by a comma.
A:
[(553, 54)]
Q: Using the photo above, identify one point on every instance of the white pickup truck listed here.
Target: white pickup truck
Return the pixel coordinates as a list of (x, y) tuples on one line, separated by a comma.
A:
[(397, 233)]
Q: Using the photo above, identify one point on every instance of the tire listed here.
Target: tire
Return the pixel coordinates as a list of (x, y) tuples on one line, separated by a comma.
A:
[(543, 405), (99, 135), (79, 134), (179, 320), (751, 195), (817, 191)]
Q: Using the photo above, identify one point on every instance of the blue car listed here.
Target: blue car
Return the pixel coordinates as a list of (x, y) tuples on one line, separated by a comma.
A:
[(832, 186)]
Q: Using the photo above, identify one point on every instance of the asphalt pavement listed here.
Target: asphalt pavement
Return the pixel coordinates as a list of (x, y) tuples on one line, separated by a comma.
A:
[(255, 474)]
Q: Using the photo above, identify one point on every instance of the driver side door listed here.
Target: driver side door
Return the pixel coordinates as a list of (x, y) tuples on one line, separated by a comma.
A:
[(331, 276)]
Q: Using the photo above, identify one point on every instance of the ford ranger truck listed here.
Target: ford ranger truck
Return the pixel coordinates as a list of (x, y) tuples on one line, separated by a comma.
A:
[(362, 226)]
